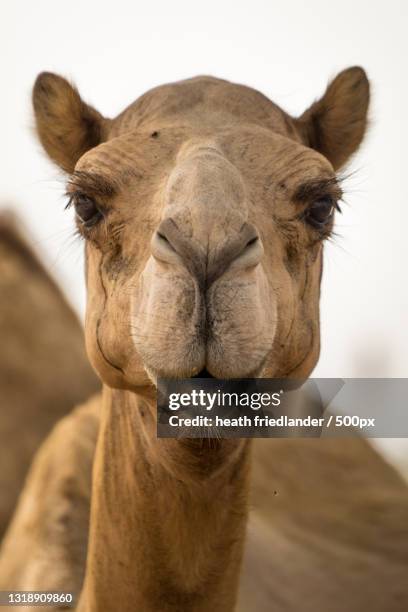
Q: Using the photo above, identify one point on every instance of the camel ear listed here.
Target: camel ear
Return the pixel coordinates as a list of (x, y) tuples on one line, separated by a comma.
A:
[(335, 124), (66, 126)]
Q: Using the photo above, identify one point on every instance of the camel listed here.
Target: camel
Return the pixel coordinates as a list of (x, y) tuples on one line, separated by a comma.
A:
[(204, 208), (44, 371)]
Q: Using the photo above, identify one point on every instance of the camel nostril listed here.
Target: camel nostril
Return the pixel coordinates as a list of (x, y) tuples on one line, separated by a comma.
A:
[(252, 241), (162, 237), (163, 249), (248, 251), (240, 250)]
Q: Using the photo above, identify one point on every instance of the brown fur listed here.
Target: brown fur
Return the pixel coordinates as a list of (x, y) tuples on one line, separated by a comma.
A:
[(327, 527), (336, 124), (76, 126), (57, 490), (185, 176), (43, 367)]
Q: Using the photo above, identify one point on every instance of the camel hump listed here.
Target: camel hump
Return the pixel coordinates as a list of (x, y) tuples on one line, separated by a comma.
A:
[(44, 370)]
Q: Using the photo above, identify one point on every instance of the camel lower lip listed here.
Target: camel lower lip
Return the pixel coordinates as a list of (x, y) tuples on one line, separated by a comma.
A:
[(204, 373)]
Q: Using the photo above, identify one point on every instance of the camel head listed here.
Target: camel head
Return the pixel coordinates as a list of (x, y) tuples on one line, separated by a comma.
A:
[(204, 208)]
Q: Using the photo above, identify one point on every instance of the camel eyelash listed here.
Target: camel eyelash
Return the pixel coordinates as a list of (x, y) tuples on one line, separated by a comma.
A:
[(320, 189), (71, 199), (319, 200), (92, 184)]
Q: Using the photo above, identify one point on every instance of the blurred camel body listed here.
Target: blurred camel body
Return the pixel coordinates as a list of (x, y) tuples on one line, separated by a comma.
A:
[(44, 370), (327, 525), (204, 208)]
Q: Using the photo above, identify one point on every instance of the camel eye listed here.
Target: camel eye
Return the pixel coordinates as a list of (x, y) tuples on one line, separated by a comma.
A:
[(320, 212), (87, 211)]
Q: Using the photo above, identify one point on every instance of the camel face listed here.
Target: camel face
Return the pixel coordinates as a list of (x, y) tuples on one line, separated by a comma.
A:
[(204, 208), (218, 278)]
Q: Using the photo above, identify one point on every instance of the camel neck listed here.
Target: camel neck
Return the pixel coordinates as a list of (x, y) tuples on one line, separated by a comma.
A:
[(167, 516)]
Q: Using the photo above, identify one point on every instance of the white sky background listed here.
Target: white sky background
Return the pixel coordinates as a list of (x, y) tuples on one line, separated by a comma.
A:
[(115, 51)]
